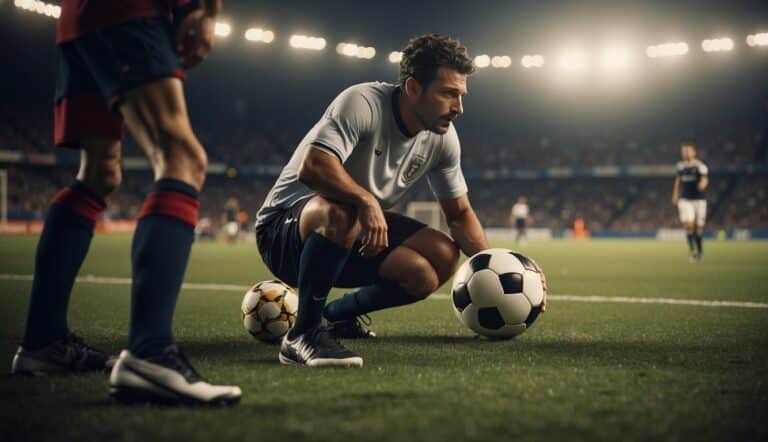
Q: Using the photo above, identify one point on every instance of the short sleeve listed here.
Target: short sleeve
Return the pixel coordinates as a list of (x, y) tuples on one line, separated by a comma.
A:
[(347, 120), (446, 178), (703, 169)]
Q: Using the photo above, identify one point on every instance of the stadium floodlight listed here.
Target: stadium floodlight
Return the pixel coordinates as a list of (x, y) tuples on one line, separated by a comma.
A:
[(760, 39), (222, 29), (532, 61), (42, 8), (307, 42), (572, 62), (502, 61), (667, 50), (717, 45), (615, 59), (259, 35), (353, 50), (482, 61), (395, 56)]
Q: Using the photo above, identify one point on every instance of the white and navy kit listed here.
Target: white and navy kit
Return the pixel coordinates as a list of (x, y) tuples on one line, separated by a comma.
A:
[(520, 213), (363, 128), (692, 204)]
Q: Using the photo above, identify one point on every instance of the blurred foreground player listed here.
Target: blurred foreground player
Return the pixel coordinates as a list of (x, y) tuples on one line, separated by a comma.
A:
[(688, 194), (122, 61), (324, 223)]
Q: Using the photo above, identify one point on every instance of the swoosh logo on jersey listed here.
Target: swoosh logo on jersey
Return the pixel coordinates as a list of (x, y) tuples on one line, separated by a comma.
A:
[(290, 220)]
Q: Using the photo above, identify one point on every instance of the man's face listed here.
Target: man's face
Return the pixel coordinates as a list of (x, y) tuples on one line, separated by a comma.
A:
[(441, 102), (687, 153)]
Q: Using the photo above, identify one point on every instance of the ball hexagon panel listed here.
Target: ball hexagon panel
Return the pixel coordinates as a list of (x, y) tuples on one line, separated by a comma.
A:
[(511, 283), (506, 332), (268, 311), (252, 324), (490, 318), (469, 318), (504, 262), (479, 261), (461, 297), (534, 290), (514, 309), (525, 261), (291, 303), (485, 288), (277, 328), (535, 311)]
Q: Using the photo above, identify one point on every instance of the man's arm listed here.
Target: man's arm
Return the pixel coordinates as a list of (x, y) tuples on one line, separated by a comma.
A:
[(703, 183), (322, 172), (676, 190), (464, 225)]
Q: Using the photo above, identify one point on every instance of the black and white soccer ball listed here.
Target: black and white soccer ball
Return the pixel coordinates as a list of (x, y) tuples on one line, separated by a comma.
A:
[(498, 293)]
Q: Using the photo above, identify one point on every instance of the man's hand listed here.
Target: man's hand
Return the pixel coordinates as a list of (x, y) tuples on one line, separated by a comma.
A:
[(374, 227), (194, 37), (543, 284)]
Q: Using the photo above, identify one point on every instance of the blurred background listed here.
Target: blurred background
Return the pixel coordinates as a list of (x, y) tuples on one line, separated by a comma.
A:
[(581, 106)]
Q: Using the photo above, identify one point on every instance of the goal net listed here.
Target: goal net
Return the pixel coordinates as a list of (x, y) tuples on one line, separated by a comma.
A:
[(429, 213)]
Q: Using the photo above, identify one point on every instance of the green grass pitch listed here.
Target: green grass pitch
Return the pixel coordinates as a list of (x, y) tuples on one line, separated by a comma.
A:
[(586, 371)]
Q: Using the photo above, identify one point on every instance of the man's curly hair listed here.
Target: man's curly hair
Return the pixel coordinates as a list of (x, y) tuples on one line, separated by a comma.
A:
[(425, 54)]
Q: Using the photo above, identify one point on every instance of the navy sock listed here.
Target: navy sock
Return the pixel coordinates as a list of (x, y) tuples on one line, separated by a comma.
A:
[(689, 237), (384, 294), (61, 250), (321, 263), (698, 243), (159, 255)]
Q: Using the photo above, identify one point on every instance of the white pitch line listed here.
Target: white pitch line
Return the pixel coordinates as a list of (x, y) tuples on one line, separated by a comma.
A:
[(91, 279)]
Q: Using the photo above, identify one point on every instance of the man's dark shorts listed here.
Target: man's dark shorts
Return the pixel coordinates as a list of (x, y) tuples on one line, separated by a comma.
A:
[(280, 246)]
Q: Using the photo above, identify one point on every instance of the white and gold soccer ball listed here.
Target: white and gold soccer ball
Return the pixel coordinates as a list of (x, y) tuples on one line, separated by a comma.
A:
[(498, 293), (269, 310)]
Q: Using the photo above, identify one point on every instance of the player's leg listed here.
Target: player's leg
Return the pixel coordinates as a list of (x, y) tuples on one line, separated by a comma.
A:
[(687, 215), (137, 69), (326, 231), (48, 345), (701, 216), (154, 368), (421, 259)]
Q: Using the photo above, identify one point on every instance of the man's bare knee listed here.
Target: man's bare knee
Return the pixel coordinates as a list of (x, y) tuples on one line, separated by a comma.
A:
[(421, 279), (100, 168), (341, 225), (183, 155)]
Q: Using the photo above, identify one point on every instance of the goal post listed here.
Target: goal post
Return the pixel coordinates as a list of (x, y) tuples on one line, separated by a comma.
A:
[(428, 212)]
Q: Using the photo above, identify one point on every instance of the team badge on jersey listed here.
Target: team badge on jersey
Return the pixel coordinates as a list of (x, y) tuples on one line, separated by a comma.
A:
[(412, 168)]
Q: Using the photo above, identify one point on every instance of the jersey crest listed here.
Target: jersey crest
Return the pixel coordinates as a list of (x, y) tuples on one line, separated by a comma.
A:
[(411, 170)]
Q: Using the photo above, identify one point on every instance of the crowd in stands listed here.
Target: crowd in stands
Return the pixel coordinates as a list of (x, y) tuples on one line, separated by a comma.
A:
[(622, 203)]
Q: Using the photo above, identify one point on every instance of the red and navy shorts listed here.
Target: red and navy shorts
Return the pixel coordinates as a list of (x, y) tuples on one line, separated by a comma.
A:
[(95, 70)]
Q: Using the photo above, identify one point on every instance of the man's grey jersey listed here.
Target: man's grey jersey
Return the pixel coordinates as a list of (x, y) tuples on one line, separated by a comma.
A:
[(690, 172), (362, 127)]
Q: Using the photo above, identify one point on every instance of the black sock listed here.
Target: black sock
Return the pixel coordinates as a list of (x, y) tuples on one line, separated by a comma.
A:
[(698, 243), (321, 262), (61, 250), (379, 296), (689, 236), (159, 254)]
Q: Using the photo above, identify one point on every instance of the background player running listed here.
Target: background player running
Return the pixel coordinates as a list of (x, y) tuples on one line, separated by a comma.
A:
[(324, 223), (518, 217), (688, 194), (122, 61)]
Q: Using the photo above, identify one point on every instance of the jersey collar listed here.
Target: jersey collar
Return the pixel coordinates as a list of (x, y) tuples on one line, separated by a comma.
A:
[(396, 113)]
